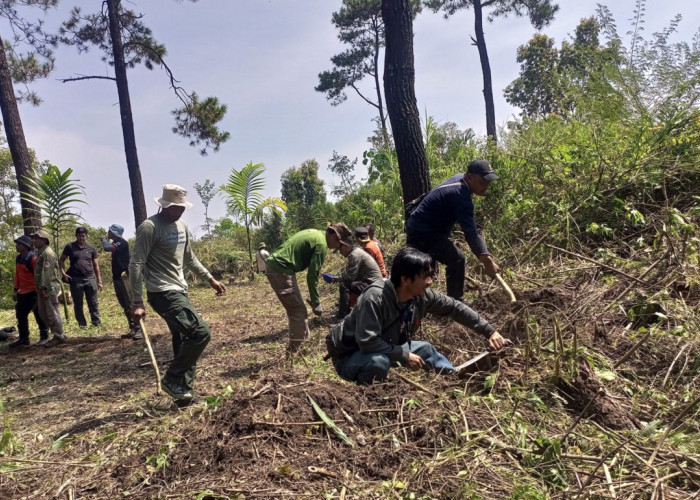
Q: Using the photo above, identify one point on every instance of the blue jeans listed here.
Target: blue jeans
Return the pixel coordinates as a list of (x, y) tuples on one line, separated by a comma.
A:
[(364, 368)]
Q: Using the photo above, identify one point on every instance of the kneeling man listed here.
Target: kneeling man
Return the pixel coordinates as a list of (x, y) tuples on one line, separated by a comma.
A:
[(378, 332)]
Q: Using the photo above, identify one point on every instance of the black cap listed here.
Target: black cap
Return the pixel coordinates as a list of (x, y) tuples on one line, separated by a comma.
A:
[(482, 168), (362, 234), (81, 230), (25, 240)]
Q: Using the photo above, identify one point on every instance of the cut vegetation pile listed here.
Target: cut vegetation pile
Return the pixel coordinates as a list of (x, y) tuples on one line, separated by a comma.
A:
[(597, 399)]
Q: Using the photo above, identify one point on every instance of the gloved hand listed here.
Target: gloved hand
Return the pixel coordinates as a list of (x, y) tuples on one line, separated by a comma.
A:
[(328, 277), (318, 310)]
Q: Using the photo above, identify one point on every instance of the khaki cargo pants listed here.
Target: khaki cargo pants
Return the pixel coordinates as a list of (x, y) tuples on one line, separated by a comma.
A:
[(287, 290)]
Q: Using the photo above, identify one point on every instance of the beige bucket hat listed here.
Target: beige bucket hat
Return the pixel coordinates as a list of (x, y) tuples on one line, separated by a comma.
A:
[(173, 195)]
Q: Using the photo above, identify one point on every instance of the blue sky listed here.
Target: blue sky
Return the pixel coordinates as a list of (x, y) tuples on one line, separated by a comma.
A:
[(261, 58)]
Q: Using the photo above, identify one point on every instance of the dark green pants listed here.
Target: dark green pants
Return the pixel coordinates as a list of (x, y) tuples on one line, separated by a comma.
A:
[(190, 334)]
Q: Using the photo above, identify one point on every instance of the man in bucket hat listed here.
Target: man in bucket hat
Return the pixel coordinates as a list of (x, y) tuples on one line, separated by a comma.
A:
[(304, 250), (47, 276), (261, 256), (119, 248), (161, 253), (429, 225), (24, 293)]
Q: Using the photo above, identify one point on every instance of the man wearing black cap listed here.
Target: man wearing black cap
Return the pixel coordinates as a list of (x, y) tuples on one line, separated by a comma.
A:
[(84, 277), (24, 293), (429, 225)]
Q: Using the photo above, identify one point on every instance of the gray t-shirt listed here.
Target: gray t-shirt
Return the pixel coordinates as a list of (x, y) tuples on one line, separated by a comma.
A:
[(161, 253)]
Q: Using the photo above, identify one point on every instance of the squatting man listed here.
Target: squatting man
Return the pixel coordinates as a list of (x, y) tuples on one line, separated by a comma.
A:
[(379, 331)]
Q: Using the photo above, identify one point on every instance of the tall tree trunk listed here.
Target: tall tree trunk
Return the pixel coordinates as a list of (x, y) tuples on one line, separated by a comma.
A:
[(485, 70), (399, 90), (132, 159), (377, 85), (31, 215)]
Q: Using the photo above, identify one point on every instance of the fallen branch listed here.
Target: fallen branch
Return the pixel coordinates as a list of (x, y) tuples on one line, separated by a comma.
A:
[(284, 424), (415, 384), (605, 266), (634, 348)]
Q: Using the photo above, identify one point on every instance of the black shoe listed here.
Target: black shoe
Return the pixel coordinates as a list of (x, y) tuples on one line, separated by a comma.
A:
[(18, 343), (175, 391)]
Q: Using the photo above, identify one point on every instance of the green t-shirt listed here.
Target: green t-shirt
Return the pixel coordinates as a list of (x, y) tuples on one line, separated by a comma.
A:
[(305, 250)]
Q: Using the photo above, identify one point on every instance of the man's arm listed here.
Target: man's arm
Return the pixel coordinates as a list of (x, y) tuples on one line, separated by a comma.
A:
[(441, 305), (471, 235), (145, 238), (61, 266), (313, 273), (98, 275), (107, 246), (192, 262)]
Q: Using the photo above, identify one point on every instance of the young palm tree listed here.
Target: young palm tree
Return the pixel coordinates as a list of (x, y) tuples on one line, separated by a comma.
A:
[(56, 194), (245, 200)]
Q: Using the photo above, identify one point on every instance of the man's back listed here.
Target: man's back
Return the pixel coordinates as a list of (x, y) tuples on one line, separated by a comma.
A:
[(362, 267), (441, 207)]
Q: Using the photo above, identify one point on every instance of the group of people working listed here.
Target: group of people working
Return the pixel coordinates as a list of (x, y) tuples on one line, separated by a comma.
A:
[(378, 330), (378, 316)]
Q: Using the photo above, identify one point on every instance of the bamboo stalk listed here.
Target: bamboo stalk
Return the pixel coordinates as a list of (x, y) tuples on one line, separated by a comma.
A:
[(150, 352), (505, 286)]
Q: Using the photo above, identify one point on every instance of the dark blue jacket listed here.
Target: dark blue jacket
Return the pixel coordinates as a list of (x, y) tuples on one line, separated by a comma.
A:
[(441, 208)]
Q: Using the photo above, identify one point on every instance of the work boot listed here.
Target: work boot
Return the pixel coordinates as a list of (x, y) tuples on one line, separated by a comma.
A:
[(133, 335), (56, 340), (18, 343), (175, 391), (43, 341)]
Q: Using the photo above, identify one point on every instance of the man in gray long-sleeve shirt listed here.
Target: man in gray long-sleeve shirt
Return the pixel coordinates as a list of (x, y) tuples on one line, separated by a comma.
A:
[(387, 315), (360, 272), (428, 227), (161, 253)]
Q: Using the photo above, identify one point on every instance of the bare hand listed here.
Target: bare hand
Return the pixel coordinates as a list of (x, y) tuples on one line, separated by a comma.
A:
[(99, 286), (218, 286), (44, 293), (14, 295), (138, 312), (496, 341), (415, 362), (490, 267)]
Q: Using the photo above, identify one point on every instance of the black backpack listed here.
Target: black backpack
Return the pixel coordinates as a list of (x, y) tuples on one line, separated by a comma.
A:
[(411, 206)]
